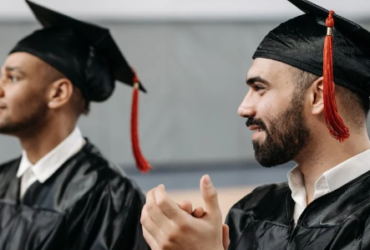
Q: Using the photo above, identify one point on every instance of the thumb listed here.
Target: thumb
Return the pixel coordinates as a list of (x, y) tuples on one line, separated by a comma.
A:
[(209, 194)]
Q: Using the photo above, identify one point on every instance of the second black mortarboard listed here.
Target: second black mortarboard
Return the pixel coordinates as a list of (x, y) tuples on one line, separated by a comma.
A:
[(88, 56)]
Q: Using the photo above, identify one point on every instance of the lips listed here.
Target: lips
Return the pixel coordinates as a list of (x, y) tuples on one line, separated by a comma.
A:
[(255, 128)]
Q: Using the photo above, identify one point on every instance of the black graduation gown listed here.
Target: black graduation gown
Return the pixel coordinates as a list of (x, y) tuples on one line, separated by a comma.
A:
[(339, 220), (86, 204)]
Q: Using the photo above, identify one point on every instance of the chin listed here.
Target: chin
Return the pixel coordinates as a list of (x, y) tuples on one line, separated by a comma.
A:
[(4, 128), (268, 159), (8, 129), (271, 160), (258, 141), (269, 164), (266, 164)]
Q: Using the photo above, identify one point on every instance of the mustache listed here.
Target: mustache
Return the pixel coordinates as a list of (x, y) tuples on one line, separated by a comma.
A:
[(256, 122)]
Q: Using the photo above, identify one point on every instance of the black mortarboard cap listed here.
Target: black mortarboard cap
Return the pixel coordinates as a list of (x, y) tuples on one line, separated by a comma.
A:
[(85, 53), (299, 42), (88, 56)]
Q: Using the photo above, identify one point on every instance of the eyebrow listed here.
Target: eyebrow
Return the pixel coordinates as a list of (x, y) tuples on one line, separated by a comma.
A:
[(10, 69), (253, 80)]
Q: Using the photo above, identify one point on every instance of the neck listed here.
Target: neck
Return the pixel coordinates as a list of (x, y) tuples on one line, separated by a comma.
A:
[(44, 139), (320, 157)]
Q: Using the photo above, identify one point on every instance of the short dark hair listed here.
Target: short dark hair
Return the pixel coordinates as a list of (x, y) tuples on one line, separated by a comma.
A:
[(356, 105), (51, 75), (87, 107), (303, 79)]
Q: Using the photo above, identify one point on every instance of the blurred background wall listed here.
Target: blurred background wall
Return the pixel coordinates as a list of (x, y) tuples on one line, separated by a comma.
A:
[(193, 57)]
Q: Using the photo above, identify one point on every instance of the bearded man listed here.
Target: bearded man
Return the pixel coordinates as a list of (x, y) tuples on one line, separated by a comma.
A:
[(296, 113)]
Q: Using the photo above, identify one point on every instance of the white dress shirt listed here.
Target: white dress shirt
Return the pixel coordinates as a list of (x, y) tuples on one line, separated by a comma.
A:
[(50, 163), (329, 181)]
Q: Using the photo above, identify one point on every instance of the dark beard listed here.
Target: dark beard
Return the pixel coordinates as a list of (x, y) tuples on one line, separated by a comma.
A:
[(33, 119), (287, 135)]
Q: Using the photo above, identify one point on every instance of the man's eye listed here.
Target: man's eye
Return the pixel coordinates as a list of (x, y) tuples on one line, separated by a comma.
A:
[(258, 87), (13, 78)]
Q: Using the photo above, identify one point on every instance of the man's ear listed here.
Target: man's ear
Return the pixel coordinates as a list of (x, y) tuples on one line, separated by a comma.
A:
[(60, 92), (316, 97)]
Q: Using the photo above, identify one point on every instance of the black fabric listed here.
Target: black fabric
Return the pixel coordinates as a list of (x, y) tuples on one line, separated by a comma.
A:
[(64, 50), (339, 220), (299, 42), (86, 204), (85, 53)]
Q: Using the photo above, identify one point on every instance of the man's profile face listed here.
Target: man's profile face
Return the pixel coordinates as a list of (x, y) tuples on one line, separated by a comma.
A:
[(22, 93), (274, 107)]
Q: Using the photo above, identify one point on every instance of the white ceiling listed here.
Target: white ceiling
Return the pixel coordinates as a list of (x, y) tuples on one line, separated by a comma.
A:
[(181, 9)]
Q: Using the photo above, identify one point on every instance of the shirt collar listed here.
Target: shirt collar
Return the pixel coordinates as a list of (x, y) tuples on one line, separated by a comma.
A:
[(296, 185), (348, 170), (24, 165), (52, 161), (330, 180)]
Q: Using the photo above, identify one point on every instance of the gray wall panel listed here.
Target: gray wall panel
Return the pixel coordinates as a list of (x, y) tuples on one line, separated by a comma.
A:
[(195, 73)]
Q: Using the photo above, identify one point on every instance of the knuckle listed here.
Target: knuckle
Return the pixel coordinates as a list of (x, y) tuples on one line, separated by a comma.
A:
[(179, 228), (172, 237), (149, 206), (142, 219), (144, 215), (183, 226), (162, 202), (212, 194), (165, 245), (145, 233)]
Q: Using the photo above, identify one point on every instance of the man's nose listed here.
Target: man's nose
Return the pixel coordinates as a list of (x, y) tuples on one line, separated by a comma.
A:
[(247, 107)]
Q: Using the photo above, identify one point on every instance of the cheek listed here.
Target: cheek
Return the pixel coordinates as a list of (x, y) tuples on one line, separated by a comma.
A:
[(268, 107), (20, 99), (15, 95), (271, 107)]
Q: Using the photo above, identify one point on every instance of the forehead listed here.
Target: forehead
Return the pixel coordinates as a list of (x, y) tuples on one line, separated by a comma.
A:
[(273, 71), (23, 60)]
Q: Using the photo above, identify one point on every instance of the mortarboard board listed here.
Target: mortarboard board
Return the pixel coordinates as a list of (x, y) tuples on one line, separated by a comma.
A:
[(88, 56), (325, 44)]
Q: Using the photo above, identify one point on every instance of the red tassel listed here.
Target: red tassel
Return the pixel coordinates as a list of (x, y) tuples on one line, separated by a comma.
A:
[(333, 121), (141, 163)]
